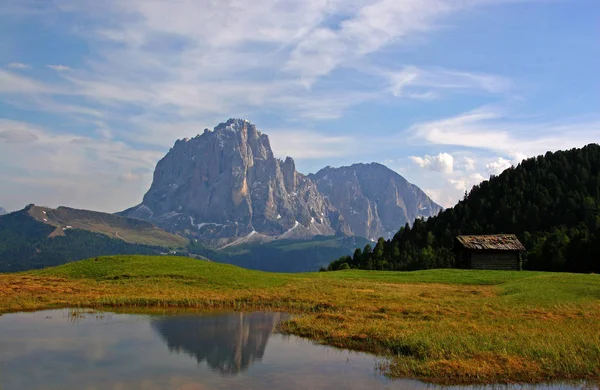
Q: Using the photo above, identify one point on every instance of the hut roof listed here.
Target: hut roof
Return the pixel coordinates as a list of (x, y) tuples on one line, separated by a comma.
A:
[(502, 242)]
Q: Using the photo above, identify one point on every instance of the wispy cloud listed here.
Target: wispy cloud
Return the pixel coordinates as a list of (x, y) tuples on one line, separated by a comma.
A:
[(68, 167), (372, 27), (404, 82), (18, 65), (224, 57), (302, 144), (13, 83), (16, 132), (493, 129), (60, 68), (487, 141)]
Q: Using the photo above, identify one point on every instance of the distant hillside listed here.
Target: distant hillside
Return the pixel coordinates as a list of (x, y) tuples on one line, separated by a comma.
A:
[(39, 237), (26, 243), (130, 230), (551, 202), (283, 255)]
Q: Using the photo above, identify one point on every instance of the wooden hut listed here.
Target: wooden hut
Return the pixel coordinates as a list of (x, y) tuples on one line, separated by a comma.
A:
[(495, 252)]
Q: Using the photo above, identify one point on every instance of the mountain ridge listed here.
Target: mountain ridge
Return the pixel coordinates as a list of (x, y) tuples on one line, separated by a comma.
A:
[(130, 230), (26, 242), (364, 189)]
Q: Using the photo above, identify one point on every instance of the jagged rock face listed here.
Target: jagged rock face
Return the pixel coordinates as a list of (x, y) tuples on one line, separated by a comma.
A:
[(372, 199), (226, 183)]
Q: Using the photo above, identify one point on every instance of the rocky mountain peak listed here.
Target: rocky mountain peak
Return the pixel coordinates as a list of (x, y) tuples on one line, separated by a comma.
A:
[(290, 178), (227, 184), (237, 125), (225, 187), (374, 200)]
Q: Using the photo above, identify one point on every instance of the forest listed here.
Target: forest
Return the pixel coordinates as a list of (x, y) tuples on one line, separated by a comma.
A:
[(551, 202)]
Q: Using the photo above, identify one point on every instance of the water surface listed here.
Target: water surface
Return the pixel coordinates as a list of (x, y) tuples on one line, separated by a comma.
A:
[(57, 350)]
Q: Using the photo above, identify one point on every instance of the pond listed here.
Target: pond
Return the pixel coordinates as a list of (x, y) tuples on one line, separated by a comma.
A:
[(63, 349)]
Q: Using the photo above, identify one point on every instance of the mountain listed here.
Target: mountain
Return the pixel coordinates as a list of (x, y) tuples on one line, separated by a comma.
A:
[(552, 203), (374, 200), (236, 202), (38, 237), (130, 230), (225, 187), (2, 211)]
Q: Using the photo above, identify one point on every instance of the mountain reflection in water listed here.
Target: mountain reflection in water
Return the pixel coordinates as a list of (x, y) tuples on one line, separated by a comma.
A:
[(229, 343)]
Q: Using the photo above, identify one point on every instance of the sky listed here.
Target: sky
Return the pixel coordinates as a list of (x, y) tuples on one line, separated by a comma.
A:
[(444, 92)]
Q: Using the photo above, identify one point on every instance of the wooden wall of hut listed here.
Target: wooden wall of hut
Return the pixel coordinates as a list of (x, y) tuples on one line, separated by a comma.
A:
[(495, 260)]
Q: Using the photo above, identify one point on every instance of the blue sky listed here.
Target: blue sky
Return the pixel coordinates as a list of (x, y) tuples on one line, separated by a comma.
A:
[(445, 92)]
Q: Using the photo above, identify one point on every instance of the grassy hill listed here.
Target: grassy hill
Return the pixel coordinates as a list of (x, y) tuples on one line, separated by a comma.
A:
[(27, 243), (444, 326), (130, 230)]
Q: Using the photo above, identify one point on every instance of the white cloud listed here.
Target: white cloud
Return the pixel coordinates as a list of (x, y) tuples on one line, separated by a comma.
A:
[(465, 183), (187, 61), (490, 129), (403, 82), (498, 166), (59, 68), (311, 144), (131, 176), (487, 132), (16, 132), (429, 95), (439, 197), (443, 162), (373, 26), (469, 163), (18, 65), (12, 83), (516, 158), (78, 170)]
